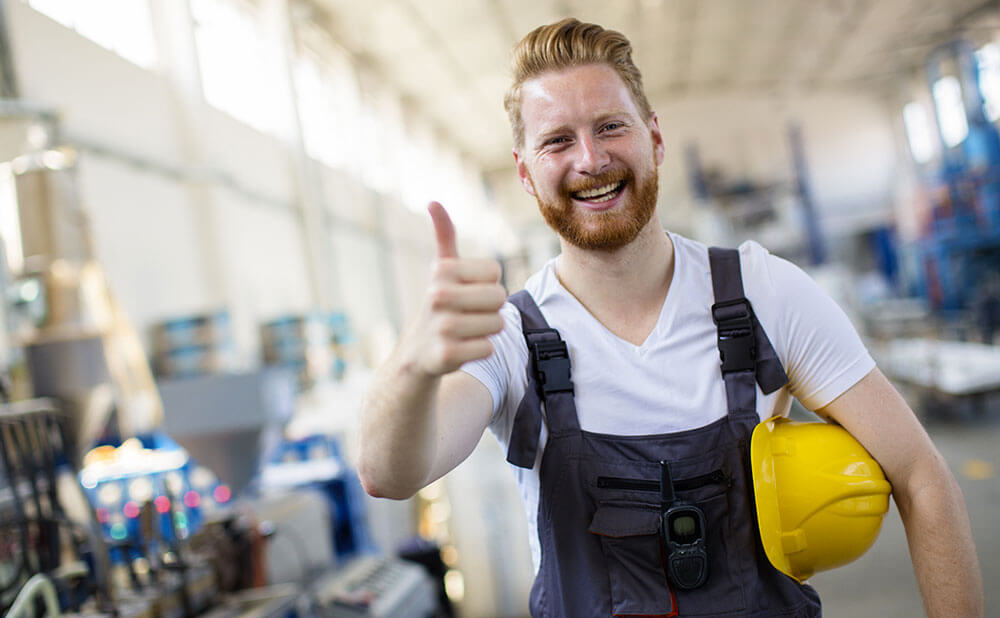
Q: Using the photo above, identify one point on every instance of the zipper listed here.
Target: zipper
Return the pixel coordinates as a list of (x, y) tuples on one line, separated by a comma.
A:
[(614, 482)]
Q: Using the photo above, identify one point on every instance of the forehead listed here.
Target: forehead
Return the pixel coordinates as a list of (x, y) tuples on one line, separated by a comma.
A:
[(573, 95)]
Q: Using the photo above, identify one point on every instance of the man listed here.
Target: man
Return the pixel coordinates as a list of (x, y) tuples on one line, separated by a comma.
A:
[(633, 306)]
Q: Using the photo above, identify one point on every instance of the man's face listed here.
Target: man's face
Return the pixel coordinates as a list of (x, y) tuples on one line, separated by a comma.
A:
[(588, 156)]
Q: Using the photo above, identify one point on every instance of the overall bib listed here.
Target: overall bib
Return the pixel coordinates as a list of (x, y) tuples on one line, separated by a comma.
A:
[(600, 506)]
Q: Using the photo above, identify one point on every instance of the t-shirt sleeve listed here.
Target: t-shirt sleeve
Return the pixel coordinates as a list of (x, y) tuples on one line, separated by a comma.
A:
[(820, 349)]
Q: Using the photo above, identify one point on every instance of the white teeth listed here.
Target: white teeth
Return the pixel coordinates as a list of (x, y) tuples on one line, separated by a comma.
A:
[(603, 199), (598, 191), (607, 192)]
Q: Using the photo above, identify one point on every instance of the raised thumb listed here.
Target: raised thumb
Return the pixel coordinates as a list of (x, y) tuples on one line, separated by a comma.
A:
[(444, 230)]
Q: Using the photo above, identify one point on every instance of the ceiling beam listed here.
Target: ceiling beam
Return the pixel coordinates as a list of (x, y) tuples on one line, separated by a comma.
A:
[(735, 53), (503, 20), (687, 18), (776, 66), (846, 28)]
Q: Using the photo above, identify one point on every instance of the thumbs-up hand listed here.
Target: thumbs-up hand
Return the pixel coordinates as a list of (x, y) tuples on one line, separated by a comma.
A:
[(461, 309)]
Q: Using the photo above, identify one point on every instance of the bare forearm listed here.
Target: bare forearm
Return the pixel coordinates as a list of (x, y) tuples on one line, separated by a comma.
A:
[(397, 430), (400, 432), (941, 545)]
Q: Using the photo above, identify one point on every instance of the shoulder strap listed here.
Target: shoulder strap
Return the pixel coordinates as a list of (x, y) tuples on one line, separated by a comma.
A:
[(744, 349), (548, 382)]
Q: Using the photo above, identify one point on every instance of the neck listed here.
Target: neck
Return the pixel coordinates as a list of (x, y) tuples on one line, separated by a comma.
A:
[(630, 281)]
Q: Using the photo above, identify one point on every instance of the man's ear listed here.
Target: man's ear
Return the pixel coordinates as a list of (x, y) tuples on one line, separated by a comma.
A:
[(659, 150), (522, 174)]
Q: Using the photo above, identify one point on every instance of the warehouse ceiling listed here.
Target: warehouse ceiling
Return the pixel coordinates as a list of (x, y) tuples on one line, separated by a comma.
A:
[(450, 58)]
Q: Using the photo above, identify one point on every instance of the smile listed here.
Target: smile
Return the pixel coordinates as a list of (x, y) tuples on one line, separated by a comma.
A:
[(600, 194)]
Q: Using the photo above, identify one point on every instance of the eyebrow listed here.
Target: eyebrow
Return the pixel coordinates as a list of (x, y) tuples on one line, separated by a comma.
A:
[(548, 133), (545, 135)]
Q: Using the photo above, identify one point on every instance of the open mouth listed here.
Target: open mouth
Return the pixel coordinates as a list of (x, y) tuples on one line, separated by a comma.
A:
[(600, 194)]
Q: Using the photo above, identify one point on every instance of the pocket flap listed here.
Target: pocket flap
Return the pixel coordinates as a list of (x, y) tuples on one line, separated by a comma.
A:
[(620, 521)]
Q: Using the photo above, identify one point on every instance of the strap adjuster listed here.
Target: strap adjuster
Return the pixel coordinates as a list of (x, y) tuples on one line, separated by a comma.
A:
[(552, 367), (737, 347)]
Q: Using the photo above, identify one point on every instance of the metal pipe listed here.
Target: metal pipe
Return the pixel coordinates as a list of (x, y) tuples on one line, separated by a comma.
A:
[(8, 75), (39, 584)]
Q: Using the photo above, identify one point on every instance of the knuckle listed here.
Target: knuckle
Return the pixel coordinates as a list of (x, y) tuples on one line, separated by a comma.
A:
[(451, 355), (496, 323), (500, 296), (495, 270), (443, 268), (439, 296), (485, 349), (446, 326)]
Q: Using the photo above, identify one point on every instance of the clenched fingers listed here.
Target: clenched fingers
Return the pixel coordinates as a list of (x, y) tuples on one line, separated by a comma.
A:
[(469, 297), (468, 270), (453, 354), (469, 325)]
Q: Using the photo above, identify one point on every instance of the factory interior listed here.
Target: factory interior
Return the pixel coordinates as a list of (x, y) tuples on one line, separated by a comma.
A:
[(214, 226)]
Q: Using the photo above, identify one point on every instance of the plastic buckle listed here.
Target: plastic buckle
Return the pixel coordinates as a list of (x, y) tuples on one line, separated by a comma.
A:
[(552, 368), (737, 347)]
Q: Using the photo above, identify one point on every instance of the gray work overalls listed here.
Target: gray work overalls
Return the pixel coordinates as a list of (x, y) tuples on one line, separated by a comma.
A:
[(600, 505)]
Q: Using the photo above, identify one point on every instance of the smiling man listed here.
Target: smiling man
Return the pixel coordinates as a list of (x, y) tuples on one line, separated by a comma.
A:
[(602, 379)]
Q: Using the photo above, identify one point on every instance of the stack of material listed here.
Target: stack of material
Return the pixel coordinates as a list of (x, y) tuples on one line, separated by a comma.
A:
[(301, 343), (194, 345)]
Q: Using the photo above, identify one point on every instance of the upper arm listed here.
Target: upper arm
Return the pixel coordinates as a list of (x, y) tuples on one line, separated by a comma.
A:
[(818, 346), (463, 410), (880, 419)]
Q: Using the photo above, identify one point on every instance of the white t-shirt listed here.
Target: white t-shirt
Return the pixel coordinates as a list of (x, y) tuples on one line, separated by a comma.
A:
[(672, 382)]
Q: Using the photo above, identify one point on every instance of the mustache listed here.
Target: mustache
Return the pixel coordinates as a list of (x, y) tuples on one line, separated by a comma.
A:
[(604, 178)]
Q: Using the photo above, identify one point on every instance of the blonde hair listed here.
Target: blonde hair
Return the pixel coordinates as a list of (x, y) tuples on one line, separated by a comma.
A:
[(570, 43)]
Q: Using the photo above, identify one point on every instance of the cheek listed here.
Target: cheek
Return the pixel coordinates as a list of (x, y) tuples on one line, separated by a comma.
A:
[(545, 177)]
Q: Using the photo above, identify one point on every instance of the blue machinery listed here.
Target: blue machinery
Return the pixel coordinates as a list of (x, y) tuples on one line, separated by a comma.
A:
[(960, 245)]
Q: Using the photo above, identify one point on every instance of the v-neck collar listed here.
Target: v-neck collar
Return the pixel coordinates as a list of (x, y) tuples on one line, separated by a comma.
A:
[(665, 318)]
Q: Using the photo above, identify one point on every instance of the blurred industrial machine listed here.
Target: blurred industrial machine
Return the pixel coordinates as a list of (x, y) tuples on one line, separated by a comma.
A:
[(124, 496), (780, 213), (959, 251), (953, 366)]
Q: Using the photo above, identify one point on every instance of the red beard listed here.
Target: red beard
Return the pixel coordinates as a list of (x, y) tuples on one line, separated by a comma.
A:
[(608, 230)]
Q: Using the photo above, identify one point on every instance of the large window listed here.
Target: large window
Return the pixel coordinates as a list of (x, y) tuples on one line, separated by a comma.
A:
[(365, 134), (950, 110), (241, 64), (918, 132), (988, 58), (327, 98), (123, 26)]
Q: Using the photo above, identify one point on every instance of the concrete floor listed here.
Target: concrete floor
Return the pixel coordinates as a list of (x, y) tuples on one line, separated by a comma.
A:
[(881, 584)]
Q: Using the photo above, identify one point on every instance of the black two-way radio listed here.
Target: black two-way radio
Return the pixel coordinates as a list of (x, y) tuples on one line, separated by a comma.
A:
[(682, 528)]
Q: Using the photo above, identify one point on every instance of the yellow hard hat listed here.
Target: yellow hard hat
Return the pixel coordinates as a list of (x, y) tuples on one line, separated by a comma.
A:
[(820, 496)]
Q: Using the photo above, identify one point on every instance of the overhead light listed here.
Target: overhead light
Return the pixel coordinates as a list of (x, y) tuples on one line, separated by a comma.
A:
[(30, 291), (954, 125), (37, 136), (55, 159)]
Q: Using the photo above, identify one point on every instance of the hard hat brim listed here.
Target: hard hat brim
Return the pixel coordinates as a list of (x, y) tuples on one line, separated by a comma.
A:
[(766, 497)]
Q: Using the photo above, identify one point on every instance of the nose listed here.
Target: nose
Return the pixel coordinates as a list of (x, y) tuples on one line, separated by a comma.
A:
[(592, 157)]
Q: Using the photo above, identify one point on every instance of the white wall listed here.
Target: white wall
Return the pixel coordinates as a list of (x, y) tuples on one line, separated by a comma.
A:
[(214, 218), (142, 228)]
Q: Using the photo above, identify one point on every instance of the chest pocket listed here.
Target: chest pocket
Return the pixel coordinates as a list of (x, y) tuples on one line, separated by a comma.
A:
[(629, 536), (627, 524)]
